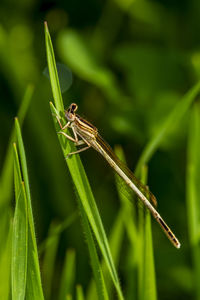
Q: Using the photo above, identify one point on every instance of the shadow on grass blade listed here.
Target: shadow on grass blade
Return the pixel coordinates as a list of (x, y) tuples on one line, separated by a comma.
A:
[(33, 282)]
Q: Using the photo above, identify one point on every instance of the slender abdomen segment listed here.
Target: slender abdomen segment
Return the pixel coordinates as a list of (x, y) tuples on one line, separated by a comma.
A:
[(167, 231)]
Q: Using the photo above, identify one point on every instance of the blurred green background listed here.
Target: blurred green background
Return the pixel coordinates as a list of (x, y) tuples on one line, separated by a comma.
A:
[(132, 61)]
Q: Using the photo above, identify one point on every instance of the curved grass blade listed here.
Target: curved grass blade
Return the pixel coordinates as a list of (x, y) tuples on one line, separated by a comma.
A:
[(192, 193), (78, 173), (33, 286), (172, 120), (19, 235)]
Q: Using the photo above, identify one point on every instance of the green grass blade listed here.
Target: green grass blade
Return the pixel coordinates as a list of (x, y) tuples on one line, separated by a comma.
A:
[(146, 269), (192, 192), (115, 242), (172, 120), (79, 293), (79, 177), (17, 171), (6, 179), (6, 188), (5, 257), (68, 275), (49, 260), (87, 199), (150, 291), (19, 235), (96, 267), (128, 211), (33, 287), (53, 71), (125, 196)]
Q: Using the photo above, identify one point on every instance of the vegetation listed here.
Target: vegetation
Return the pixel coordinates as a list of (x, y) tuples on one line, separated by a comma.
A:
[(67, 227)]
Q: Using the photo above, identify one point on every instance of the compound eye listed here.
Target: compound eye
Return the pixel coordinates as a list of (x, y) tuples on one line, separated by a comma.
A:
[(74, 107)]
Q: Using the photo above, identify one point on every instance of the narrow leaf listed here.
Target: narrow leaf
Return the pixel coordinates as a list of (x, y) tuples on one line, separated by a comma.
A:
[(79, 176), (146, 269), (172, 120), (49, 261), (6, 188), (33, 287), (192, 192), (6, 178), (96, 267), (20, 235), (53, 71), (79, 293), (68, 275)]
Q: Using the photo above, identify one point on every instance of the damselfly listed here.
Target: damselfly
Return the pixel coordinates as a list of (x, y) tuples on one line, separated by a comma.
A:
[(86, 134)]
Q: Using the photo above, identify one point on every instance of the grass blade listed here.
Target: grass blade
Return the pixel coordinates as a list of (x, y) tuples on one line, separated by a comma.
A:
[(150, 291), (19, 236), (49, 260), (172, 120), (146, 269), (6, 188), (140, 238), (68, 275), (125, 196), (115, 242), (96, 266), (5, 256), (53, 71), (33, 287), (79, 293), (6, 179), (192, 192), (128, 212), (78, 174)]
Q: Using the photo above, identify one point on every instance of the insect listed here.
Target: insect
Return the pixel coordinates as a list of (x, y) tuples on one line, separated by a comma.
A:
[(86, 134)]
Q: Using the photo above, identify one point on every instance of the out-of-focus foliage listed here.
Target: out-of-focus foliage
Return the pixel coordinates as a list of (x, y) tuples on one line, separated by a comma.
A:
[(132, 62)]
